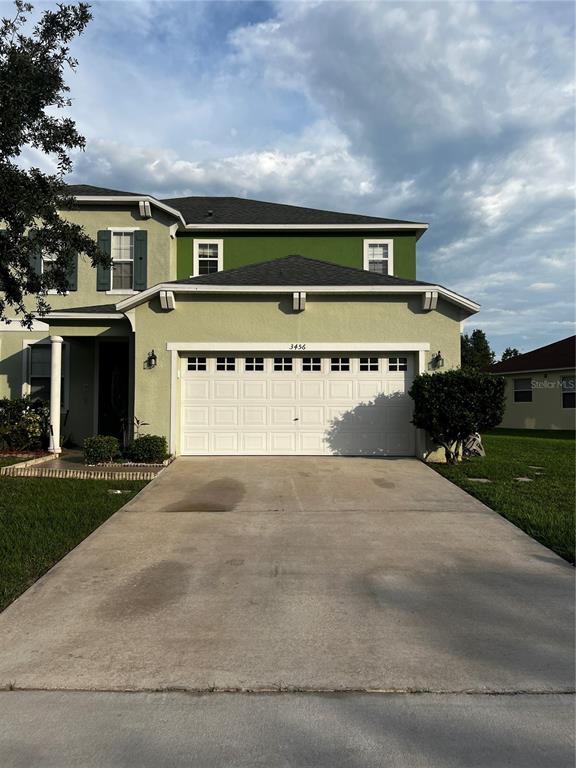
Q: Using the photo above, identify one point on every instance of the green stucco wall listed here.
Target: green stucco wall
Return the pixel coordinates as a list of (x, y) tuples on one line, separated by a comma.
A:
[(161, 252), (545, 411), (270, 319), (345, 249)]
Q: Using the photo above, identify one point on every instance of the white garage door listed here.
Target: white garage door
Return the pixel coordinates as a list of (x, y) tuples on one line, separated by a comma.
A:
[(300, 405)]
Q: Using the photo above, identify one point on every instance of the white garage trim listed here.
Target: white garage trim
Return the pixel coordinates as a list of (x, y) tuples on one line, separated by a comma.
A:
[(289, 346)]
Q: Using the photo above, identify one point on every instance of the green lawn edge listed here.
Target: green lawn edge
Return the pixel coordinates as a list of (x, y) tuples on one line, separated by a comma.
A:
[(544, 507), (42, 519)]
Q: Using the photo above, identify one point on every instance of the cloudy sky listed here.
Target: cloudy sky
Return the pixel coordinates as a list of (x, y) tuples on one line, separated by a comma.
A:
[(458, 114)]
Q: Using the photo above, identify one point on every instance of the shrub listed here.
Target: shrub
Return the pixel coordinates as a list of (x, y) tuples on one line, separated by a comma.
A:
[(148, 449), (452, 405), (23, 424), (101, 449)]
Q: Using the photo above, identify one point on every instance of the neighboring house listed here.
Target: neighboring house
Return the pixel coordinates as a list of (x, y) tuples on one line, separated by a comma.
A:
[(234, 326), (540, 391)]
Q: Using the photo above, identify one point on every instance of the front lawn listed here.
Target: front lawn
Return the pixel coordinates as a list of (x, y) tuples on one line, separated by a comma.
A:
[(543, 508), (41, 519)]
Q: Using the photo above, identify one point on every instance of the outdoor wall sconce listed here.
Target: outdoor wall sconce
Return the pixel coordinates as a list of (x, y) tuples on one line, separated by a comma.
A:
[(437, 361), (151, 360)]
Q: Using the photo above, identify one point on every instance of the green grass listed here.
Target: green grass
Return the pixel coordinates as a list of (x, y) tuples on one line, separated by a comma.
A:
[(41, 519), (7, 461), (543, 508)]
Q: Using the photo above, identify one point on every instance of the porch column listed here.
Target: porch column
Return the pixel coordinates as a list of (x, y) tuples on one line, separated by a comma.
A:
[(55, 392)]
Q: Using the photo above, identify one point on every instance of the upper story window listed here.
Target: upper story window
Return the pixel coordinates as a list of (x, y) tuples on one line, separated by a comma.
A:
[(48, 261), (522, 390), (379, 256), (127, 248), (122, 261), (208, 256)]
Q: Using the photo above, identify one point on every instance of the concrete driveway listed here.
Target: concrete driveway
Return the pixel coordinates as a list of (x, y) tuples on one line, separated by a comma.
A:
[(298, 573)]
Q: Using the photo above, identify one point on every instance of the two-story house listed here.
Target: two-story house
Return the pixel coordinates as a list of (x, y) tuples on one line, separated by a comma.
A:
[(234, 326)]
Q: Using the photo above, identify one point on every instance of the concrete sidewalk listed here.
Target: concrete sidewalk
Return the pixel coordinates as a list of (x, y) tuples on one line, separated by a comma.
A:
[(116, 730)]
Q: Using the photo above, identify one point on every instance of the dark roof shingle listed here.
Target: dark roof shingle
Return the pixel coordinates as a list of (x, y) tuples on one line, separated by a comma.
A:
[(87, 190), (237, 210), (560, 354), (296, 270)]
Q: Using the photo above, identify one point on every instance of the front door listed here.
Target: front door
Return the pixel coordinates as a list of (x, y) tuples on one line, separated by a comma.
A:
[(113, 388)]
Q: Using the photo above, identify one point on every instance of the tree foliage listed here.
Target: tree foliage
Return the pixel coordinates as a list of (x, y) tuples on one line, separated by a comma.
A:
[(475, 351), (509, 353), (452, 405), (34, 58)]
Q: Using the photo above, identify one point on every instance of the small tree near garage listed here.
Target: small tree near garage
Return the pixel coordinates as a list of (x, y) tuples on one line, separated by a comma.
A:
[(452, 405)]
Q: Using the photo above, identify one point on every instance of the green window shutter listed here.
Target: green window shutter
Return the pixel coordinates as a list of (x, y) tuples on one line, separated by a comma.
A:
[(140, 259), (104, 242), (35, 255), (73, 274)]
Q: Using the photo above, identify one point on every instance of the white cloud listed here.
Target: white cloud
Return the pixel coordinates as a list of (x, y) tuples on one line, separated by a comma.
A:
[(541, 286)]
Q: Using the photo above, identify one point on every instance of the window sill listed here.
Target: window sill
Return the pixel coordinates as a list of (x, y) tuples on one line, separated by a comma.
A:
[(120, 292), (54, 292)]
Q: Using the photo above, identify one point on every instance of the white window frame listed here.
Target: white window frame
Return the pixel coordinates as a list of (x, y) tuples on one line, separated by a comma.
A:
[(399, 360), (27, 370), (371, 366), (196, 252), (315, 360), (340, 364), (50, 258), (390, 260), (121, 231)]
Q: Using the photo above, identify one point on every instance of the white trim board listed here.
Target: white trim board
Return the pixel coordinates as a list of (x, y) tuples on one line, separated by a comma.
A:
[(296, 347), (449, 295), (132, 199), (86, 316)]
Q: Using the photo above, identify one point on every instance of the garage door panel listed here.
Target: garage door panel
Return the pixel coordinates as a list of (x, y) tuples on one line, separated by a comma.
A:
[(340, 390), (282, 389), (225, 416), (196, 390), (311, 390), (196, 416), (283, 442), (282, 415), (254, 442), (225, 390), (254, 416), (368, 389), (225, 442), (196, 442), (312, 415), (349, 412), (253, 390)]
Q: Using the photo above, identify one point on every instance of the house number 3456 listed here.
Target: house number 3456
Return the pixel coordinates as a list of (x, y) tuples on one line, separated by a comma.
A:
[(297, 346)]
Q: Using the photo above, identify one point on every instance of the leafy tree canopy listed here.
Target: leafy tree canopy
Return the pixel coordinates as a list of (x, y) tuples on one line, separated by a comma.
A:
[(509, 353), (475, 351), (33, 60), (452, 405)]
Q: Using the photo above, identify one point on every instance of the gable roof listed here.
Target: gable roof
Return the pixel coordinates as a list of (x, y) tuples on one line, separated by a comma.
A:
[(296, 270), (87, 190), (558, 355), (298, 273), (205, 213), (238, 210)]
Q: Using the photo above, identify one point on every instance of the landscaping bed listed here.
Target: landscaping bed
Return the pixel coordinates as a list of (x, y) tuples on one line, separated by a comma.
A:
[(42, 519), (528, 478)]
